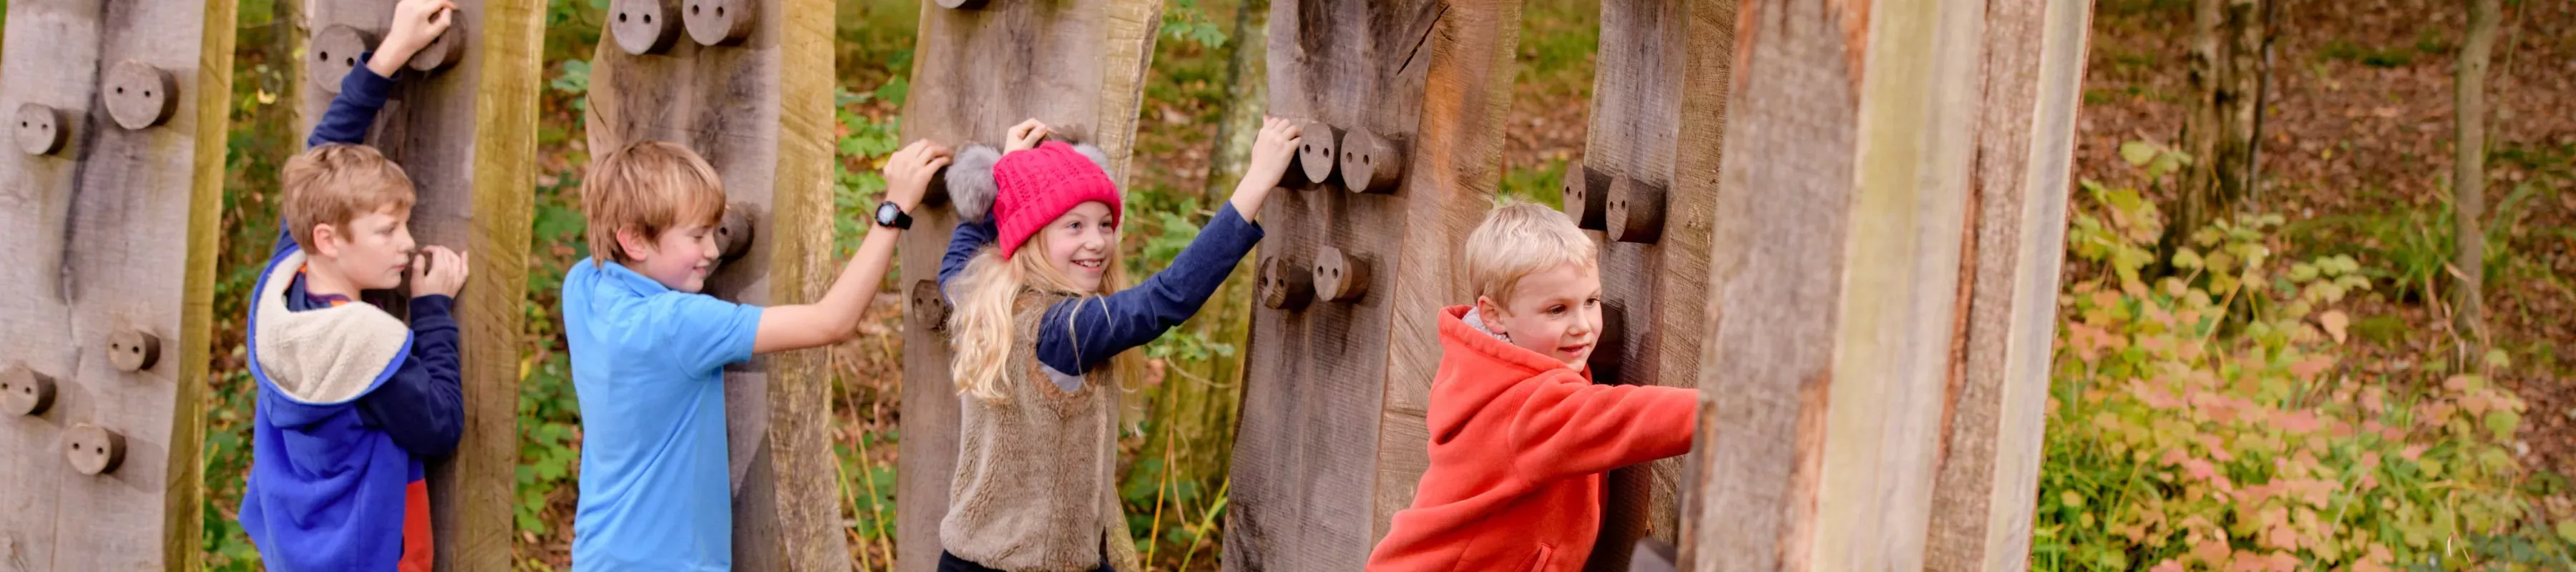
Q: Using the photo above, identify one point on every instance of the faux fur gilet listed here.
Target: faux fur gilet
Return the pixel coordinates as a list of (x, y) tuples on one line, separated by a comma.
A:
[(1035, 488)]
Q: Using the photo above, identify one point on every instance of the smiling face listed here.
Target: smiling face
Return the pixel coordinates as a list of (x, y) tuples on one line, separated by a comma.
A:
[(1555, 312), (1078, 244), (372, 251), (679, 258)]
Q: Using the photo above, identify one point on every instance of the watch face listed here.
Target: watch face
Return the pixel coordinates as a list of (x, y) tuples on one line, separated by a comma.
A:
[(886, 212)]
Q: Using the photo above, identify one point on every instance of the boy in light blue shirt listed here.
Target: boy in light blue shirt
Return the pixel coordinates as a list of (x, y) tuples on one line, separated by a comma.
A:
[(648, 351)]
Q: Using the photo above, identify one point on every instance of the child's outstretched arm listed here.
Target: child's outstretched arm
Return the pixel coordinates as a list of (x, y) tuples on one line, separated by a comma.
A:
[(363, 92), (971, 236), (1564, 429), (836, 317), (1102, 327)]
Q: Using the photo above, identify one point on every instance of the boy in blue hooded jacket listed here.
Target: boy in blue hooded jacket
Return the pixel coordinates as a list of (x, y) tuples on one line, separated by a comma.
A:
[(350, 399)]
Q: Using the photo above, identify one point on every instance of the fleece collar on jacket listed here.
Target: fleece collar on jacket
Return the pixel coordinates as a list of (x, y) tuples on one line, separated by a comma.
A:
[(322, 356), (1472, 344)]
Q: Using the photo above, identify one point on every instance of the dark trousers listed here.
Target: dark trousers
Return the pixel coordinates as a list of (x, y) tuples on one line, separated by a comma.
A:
[(951, 563)]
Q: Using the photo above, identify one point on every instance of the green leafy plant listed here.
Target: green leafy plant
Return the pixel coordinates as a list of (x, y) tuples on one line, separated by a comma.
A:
[(2186, 435)]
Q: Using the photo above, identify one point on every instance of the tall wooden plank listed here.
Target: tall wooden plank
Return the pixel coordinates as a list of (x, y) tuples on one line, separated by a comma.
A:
[(1835, 276), (1989, 466), (759, 110), (100, 219), (466, 135), (1331, 441), (1078, 66), (1658, 117)]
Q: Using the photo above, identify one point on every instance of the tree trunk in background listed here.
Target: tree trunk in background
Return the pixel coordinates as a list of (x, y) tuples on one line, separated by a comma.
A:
[(2225, 75), (2469, 180)]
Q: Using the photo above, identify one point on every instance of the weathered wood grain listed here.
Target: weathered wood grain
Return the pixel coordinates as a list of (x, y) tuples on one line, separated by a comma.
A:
[(1658, 117), (1835, 275), (1077, 65), (1989, 465), (466, 135), (1331, 440), (760, 112), (99, 228)]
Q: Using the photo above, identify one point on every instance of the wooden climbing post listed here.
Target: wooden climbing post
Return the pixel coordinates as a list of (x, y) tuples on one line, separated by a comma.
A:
[(462, 123), (1647, 190), (1888, 226), (748, 85), (1404, 109), (110, 201), (976, 68)]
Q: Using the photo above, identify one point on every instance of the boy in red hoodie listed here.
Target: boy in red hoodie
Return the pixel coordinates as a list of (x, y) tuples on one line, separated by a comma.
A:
[(1520, 435)]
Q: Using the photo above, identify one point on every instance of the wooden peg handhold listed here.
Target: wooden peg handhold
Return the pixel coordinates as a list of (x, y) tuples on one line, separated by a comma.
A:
[(1371, 163), (1585, 191), (443, 52), (1284, 284), (1636, 212), (133, 350), (734, 234), (93, 450), (1340, 277), (929, 305), (139, 95), (961, 4), (1318, 152), (335, 53), (718, 22), (23, 391), (644, 26), (41, 130)]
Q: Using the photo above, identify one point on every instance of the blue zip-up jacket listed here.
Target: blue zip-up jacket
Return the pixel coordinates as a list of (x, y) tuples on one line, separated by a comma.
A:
[(1128, 318), (350, 402)]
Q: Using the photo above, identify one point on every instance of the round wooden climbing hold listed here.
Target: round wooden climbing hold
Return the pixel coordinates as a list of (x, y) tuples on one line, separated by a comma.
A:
[(928, 305), (1585, 192), (133, 350), (336, 51), (25, 392), (1636, 212), (643, 26), (1371, 163), (734, 234), (41, 130), (1317, 152), (718, 22), (446, 50), (962, 4), (93, 450), (139, 95), (1340, 277), (1284, 284)]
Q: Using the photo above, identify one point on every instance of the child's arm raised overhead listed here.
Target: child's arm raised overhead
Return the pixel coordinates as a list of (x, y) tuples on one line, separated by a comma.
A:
[(971, 236), (836, 317), (1102, 327), (363, 92), (1564, 429)]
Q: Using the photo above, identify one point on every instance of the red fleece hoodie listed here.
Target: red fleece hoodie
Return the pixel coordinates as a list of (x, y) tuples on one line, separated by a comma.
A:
[(1519, 443)]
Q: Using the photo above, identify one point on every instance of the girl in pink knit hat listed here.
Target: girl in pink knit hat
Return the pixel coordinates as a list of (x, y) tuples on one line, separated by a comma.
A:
[(1043, 328)]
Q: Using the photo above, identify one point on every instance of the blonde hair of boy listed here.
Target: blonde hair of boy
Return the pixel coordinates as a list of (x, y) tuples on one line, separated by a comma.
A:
[(984, 327), (1520, 239), (647, 187), (336, 183)]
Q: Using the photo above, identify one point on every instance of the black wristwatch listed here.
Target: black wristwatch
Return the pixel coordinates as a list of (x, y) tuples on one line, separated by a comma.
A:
[(891, 216)]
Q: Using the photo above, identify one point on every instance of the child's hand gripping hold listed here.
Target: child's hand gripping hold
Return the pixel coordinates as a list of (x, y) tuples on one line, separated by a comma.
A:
[(435, 270), (416, 24), (1270, 153)]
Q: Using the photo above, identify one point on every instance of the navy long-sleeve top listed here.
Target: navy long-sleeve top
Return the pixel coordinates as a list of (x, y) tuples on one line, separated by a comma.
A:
[(1121, 321), (422, 406)]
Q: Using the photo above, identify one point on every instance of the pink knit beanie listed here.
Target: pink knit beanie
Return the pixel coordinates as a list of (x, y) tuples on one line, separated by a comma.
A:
[(1035, 186)]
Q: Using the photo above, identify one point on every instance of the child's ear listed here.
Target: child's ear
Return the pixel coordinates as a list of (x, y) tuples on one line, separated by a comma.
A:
[(1491, 313), (634, 244), (326, 240)]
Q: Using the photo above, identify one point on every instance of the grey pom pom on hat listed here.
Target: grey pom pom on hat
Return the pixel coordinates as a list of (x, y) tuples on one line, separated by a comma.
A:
[(970, 177)]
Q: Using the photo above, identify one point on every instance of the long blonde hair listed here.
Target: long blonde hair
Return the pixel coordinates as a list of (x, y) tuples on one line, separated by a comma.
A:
[(984, 328)]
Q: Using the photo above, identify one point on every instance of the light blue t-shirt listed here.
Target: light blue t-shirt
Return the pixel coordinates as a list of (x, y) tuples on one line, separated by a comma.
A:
[(648, 365)]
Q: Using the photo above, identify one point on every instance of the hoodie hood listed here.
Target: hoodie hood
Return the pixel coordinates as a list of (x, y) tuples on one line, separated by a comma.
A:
[(316, 363), (1477, 365)]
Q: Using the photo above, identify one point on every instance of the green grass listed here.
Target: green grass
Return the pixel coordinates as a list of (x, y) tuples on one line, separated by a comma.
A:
[(2380, 57)]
